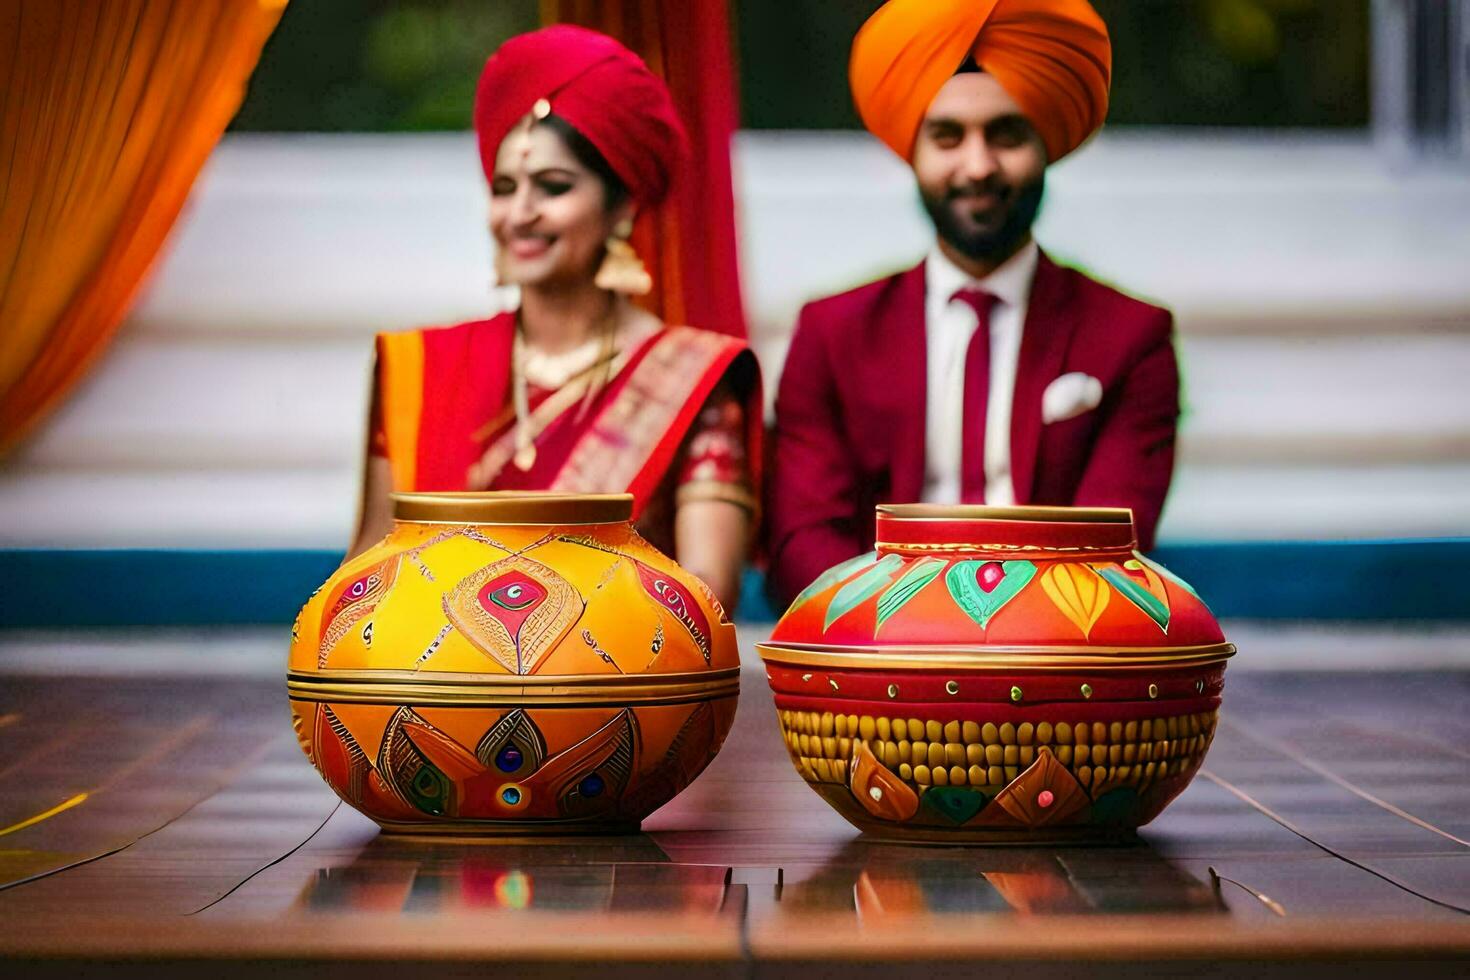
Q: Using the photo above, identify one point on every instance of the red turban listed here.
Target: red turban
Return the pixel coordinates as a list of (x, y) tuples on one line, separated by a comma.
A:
[(1052, 56), (601, 88)]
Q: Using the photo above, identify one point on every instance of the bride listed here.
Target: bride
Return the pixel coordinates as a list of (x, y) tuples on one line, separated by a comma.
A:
[(578, 390)]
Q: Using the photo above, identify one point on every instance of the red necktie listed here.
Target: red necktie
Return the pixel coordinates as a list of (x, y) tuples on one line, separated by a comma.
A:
[(977, 392)]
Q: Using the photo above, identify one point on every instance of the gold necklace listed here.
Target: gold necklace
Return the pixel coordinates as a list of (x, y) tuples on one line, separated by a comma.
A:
[(525, 455), (525, 438)]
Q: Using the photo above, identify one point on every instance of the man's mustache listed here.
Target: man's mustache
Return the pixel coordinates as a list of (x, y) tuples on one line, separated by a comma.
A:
[(989, 188)]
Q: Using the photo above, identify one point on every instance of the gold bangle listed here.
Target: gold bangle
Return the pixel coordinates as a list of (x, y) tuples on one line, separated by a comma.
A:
[(730, 493)]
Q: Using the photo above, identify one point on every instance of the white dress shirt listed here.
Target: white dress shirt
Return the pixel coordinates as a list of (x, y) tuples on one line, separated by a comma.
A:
[(948, 327)]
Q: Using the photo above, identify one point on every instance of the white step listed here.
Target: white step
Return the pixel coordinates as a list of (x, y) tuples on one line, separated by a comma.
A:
[(1322, 301)]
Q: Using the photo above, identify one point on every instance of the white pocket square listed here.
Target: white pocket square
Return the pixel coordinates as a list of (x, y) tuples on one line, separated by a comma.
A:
[(1069, 396)]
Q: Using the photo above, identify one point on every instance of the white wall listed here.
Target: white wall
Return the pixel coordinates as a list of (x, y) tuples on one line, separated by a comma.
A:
[(1323, 303)]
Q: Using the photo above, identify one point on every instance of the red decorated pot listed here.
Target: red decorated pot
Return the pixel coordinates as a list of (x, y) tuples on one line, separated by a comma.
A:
[(998, 674)]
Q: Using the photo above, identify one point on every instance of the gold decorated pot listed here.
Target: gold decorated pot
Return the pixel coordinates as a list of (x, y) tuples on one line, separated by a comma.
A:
[(998, 675), (512, 663)]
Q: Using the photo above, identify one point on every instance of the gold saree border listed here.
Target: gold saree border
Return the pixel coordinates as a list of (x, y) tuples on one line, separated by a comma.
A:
[(629, 430)]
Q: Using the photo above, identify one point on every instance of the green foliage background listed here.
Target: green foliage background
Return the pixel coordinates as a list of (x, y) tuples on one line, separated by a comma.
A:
[(411, 65)]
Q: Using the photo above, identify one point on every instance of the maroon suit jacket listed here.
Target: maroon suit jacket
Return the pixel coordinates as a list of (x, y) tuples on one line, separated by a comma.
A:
[(851, 404)]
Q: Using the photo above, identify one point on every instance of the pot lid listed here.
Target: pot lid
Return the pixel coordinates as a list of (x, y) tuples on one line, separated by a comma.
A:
[(977, 580), (519, 507)]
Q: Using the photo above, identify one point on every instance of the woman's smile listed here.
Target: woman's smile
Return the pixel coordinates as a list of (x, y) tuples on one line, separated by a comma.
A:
[(528, 247)]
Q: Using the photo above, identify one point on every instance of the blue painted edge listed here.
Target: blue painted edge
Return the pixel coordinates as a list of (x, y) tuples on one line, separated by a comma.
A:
[(1409, 579)]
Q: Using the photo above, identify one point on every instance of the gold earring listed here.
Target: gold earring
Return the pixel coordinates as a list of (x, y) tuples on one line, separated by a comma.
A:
[(622, 271)]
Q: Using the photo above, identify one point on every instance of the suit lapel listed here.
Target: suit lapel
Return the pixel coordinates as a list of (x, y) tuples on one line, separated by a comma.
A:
[(904, 343), (1050, 321)]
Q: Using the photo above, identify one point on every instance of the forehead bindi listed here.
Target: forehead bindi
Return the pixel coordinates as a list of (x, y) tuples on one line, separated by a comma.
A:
[(971, 99), (539, 150)]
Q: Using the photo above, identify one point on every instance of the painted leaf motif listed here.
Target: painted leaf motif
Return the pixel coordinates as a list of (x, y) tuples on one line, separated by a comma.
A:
[(1155, 606), (957, 804), (834, 575), (1078, 592), (879, 791), (595, 771), (1045, 794), (513, 745), (1165, 573), (514, 610), (679, 602), (909, 584), (688, 753), (968, 581), (511, 598), (864, 587), (353, 601), (422, 765), (1116, 808)]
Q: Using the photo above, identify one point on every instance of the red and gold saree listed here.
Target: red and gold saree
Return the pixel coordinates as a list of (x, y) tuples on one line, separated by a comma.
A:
[(678, 418)]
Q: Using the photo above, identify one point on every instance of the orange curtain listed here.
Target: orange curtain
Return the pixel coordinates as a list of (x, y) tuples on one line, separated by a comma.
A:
[(108, 109), (689, 244)]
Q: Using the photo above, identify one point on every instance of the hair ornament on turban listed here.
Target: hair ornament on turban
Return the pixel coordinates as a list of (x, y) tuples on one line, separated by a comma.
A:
[(601, 88), (1052, 56)]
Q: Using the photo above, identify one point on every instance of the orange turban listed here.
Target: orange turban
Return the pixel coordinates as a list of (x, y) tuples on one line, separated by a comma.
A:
[(1052, 56)]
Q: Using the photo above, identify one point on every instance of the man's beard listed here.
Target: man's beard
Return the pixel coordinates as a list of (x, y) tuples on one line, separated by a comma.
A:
[(992, 245)]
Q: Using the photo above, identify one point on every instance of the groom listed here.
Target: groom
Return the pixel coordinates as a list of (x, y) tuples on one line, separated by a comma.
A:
[(987, 373)]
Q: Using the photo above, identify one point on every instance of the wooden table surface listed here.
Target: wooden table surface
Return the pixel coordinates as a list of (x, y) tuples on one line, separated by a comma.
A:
[(165, 826)]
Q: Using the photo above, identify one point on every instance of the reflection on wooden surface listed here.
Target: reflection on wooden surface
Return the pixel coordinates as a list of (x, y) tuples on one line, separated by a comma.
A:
[(886, 880), (612, 875), (160, 822)]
